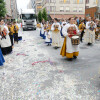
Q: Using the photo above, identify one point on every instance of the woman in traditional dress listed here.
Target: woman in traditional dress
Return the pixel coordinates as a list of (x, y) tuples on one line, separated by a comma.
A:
[(89, 36), (68, 49), (48, 39), (62, 25), (1, 58), (6, 46), (42, 29), (19, 32), (56, 36), (11, 33)]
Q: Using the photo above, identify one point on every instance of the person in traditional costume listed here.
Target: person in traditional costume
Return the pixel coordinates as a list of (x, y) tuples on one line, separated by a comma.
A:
[(82, 27), (89, 36), (48, 39), (1, 58), (56, 36), (6, 46), (42, 28), (15, 29), (19, 32), (97, 30), (62, 25), (69, 49), (11, 33)]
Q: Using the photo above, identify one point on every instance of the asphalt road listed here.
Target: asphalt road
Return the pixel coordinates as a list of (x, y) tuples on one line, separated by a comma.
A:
[(35, 71)]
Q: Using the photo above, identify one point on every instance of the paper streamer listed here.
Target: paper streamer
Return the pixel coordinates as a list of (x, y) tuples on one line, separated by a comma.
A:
[(42, 62)]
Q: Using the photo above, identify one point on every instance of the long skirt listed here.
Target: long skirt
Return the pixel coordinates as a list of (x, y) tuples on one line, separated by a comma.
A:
[(6, 46), (1, 58), (56, 39), (67, 51), (16, 37), (11, 39), (6, 50)]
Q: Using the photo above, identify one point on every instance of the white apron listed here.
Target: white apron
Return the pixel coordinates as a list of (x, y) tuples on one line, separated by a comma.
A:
[(69, 47), (56, 36), (5, 42)]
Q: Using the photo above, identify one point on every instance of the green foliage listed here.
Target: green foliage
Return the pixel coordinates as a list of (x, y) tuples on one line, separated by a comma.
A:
[(44, 14), (40, 16), (2, 8)]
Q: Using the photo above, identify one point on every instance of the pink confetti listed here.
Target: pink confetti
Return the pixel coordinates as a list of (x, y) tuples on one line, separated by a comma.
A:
[(21, 54), (39, 62)]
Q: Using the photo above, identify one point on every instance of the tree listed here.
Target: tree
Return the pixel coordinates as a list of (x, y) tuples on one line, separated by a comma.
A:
[(40, 16), (44, 14), (2, 8)]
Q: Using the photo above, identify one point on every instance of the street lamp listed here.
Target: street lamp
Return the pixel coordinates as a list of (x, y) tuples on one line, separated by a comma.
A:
[(54, 7)]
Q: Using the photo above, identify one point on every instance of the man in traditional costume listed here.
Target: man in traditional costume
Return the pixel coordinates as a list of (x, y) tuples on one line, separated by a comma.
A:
[(82, 27), (15, 29), (56, 36), (6, 46), (68, 49), (89, 36)]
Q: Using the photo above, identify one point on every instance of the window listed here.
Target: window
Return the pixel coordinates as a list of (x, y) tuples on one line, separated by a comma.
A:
[(80, 9), (52, 1), (62, 9), (74, 9), (94, 1), (75, 1), (64, 1), (80, 1), (87, 7), (67, 9), (48, 8), (52, 8), (87, 1), (87, 15)]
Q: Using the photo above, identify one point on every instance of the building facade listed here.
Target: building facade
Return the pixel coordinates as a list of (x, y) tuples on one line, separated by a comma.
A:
[(14, 9), (8, 9), (91, 8), (32, 4), (11, 7), (35, 4), (64, 8)]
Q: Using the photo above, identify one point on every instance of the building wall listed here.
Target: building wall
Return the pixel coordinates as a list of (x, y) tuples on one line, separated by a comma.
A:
[(38, 5), (70, 7), (91, 3), (31, 4), (8, 7), (14, 9), (92, 12), (92, 8)]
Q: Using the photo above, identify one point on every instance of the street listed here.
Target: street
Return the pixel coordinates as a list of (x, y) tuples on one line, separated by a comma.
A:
[(35, 71)]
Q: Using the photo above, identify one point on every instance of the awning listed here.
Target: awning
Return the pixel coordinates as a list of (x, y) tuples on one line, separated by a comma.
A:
[(65, 16)]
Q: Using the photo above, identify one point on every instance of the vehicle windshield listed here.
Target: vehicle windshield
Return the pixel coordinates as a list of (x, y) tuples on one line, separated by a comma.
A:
[(28, 16)]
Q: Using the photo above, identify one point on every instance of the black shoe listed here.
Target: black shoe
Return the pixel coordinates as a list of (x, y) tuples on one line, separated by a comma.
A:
[(48, 45), (75, 57), (89, 43), (70, 59), (56, 47)]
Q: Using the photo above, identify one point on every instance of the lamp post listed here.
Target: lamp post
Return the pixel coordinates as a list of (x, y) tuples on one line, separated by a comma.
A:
[(98, 9), (54, 7)]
